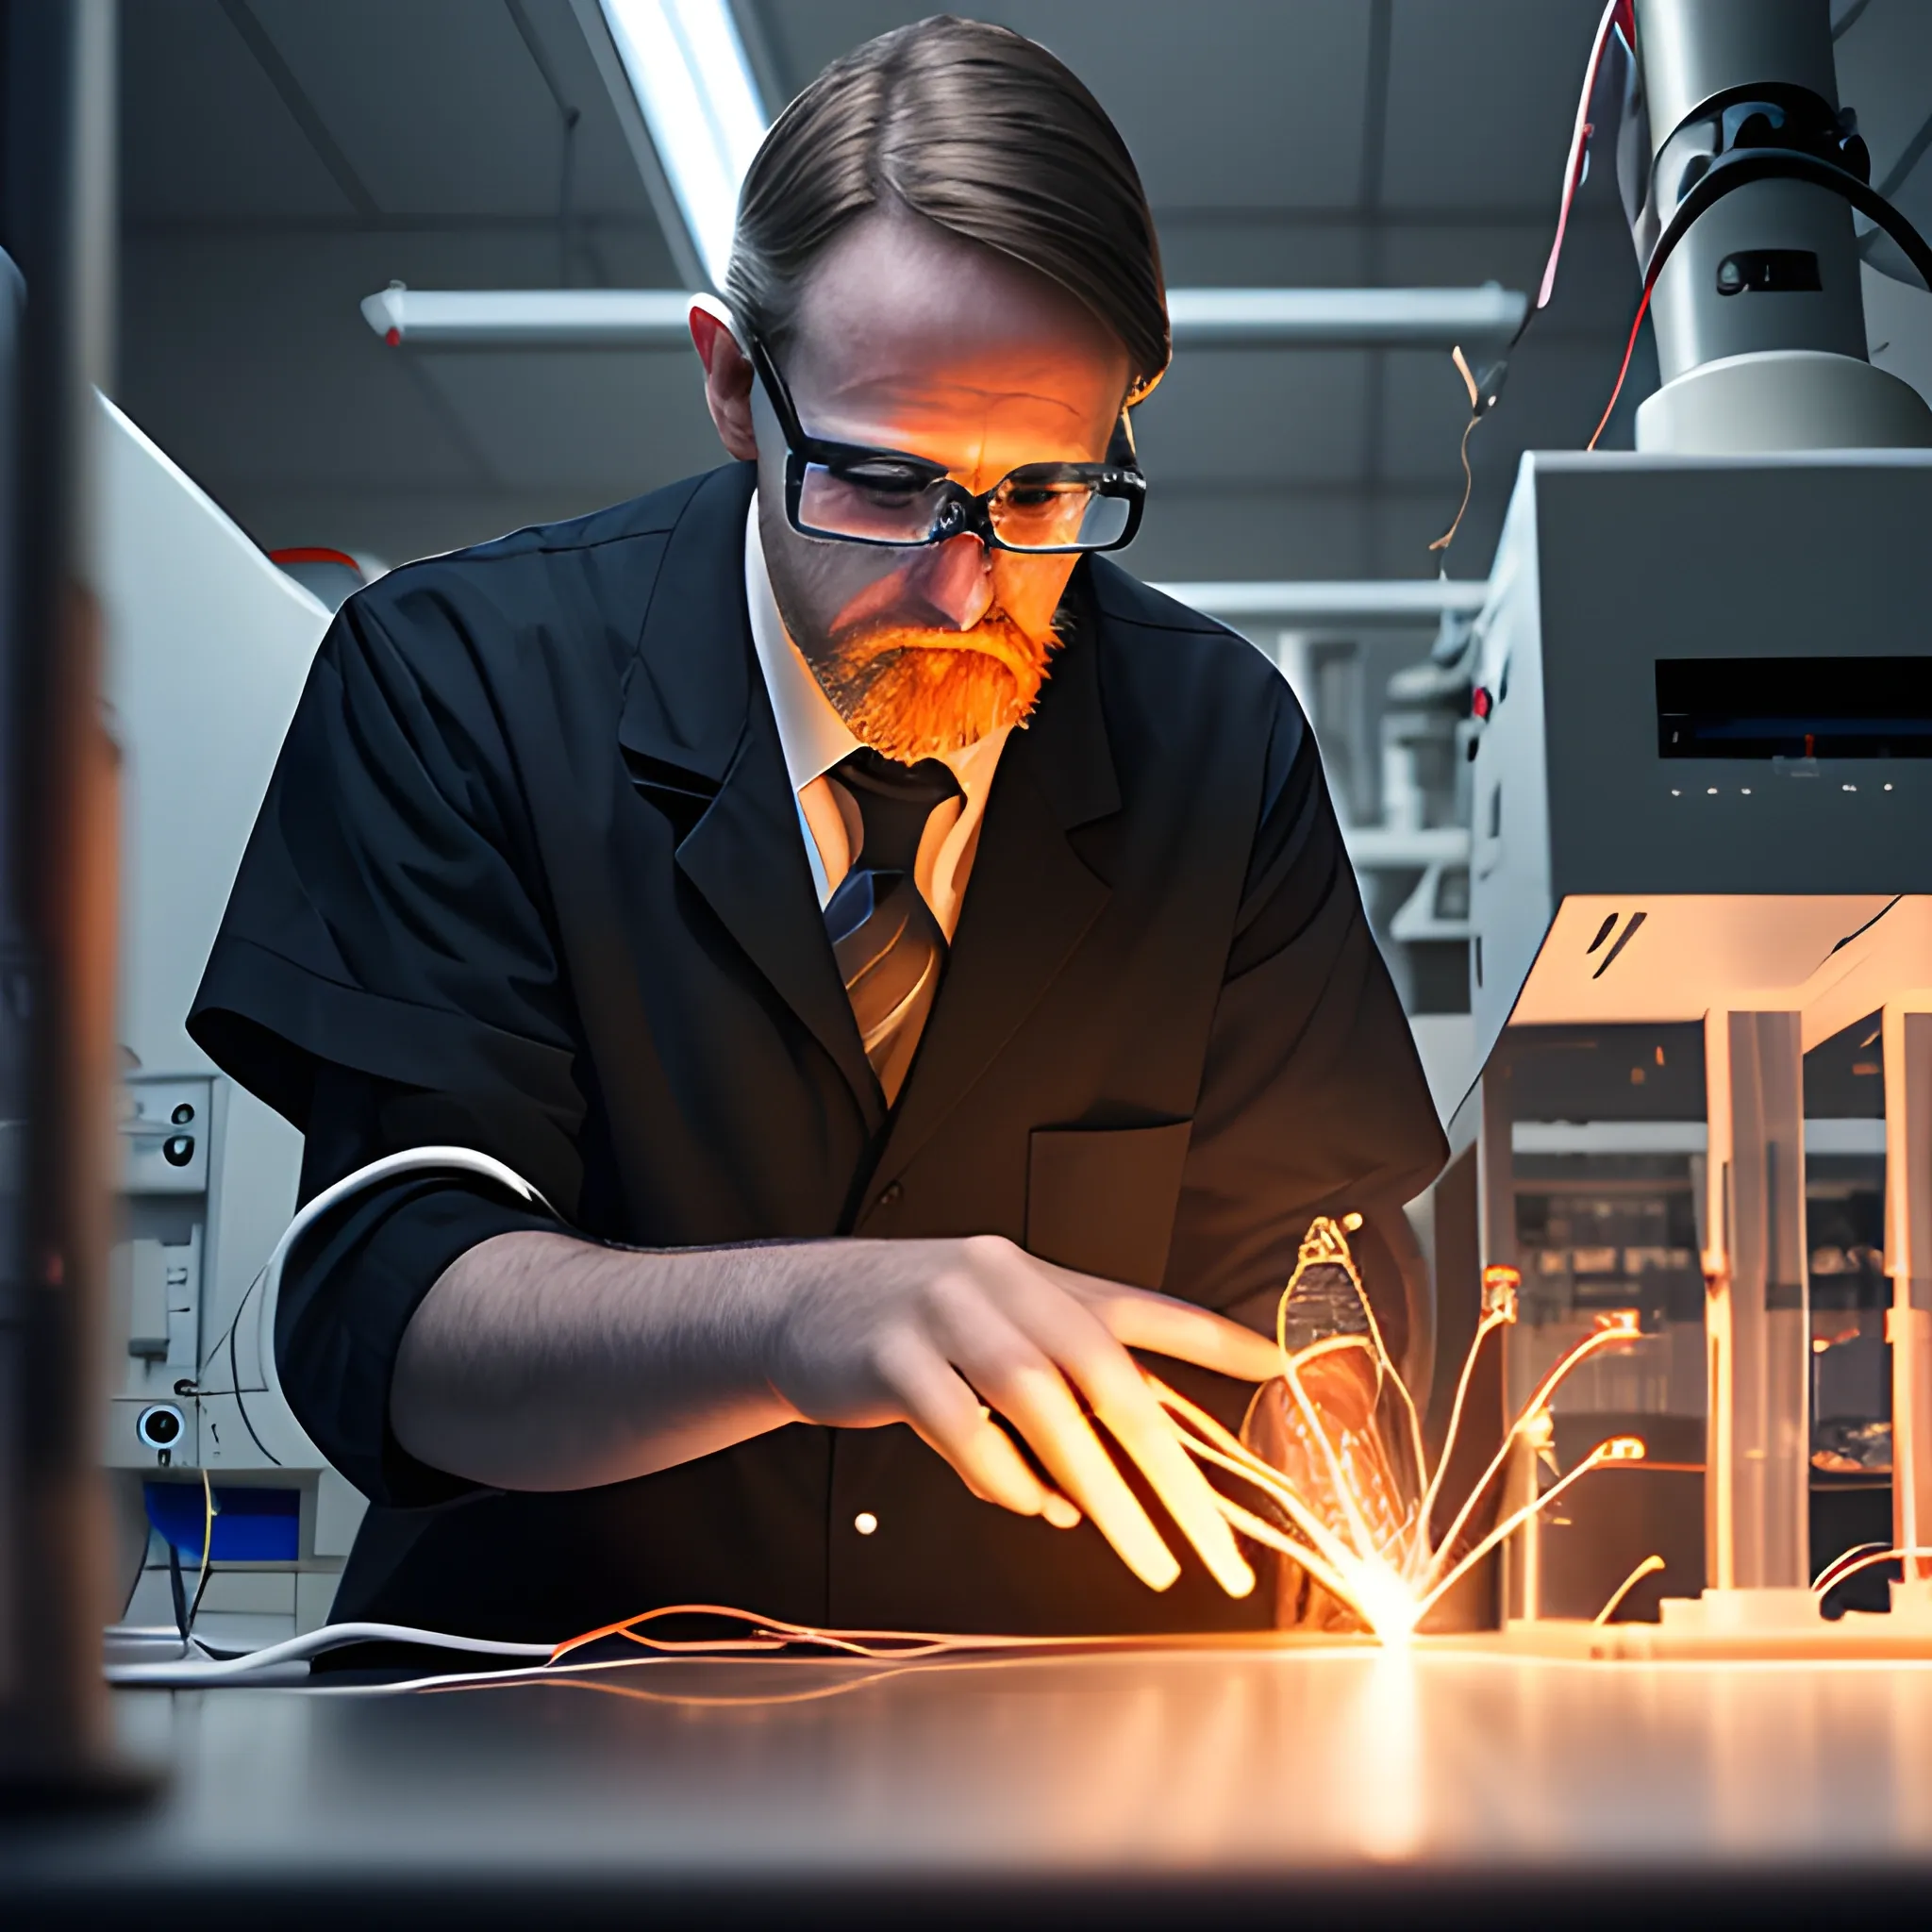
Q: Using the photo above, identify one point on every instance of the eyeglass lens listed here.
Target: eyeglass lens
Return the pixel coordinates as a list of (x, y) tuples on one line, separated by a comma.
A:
[(1037, 513)]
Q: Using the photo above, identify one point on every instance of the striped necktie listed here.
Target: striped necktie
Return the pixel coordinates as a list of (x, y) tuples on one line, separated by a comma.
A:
[(889, 946)]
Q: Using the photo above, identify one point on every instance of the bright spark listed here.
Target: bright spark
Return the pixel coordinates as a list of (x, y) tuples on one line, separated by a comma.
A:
[(1390, 1576)]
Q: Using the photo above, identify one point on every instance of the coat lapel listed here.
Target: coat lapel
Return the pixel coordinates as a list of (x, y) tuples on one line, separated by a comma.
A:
[(698, 735), (1031, 898)]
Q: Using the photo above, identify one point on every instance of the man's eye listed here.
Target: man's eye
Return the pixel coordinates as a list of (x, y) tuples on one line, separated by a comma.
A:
[(883, 480), (1038, 500)]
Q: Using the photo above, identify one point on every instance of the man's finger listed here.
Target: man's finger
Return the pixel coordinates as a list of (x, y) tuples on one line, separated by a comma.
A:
[(1139, 1426), (949, 1419), (1117, 1395), (1162, 1326), (1032, 1396)]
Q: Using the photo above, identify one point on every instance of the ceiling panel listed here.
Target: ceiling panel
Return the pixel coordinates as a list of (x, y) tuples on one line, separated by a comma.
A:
[(1222, 103), (607, 173), (438, 104), (253, 352), (615, 423), (1204, 535), (1482, 99), (268, 398), (1248, 416), (1596, 281), (1261, 248), (204, 134)]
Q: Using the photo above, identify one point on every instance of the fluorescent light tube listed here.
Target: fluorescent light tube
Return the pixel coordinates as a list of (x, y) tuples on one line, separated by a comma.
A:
[(687, 66), (1203, 318), (1345, 316)]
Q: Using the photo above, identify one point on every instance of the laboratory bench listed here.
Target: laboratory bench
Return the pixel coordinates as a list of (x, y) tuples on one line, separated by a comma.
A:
[(1311, 1781)]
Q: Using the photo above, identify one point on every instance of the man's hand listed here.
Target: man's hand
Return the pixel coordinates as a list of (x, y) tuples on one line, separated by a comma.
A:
[(939, 1333), (542, 1362)]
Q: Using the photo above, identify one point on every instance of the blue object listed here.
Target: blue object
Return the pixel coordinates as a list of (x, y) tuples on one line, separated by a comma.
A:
[(251, 1525)]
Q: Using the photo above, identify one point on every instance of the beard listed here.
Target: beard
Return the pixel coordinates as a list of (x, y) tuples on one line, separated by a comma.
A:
[(913, 693)]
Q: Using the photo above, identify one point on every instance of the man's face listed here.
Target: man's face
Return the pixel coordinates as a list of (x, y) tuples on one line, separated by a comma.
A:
[(907, 338)]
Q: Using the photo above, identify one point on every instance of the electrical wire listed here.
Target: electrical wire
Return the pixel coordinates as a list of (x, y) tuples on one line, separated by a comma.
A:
[(766, 1639), (1623, 370), (208, 1548), (1739, 169), (1486, 393), (251, 1665), (466, 1160), (764, 1636), (178, 1593), (1617, 16), (1475, 416), (139, 1569), (1649, 1566)]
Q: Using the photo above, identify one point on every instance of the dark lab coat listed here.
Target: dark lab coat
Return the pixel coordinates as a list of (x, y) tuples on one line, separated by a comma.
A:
[(530, 877)]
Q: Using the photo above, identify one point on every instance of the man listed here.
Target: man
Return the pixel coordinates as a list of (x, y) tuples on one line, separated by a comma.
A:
[(894, 942)]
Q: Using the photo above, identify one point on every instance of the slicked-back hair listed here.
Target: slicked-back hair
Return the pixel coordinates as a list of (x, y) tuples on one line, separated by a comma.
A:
[(978, 129)]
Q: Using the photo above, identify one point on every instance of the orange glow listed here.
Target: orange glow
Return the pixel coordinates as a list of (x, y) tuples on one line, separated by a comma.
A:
[(1501, 1285), (1330, 1481)]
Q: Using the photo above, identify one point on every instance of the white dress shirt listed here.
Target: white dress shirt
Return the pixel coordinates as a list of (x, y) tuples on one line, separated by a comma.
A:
[(814, 738)]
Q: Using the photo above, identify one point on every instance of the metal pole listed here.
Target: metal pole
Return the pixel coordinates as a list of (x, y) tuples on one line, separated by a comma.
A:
[(1757, 1454), (1907, 1045), (57, 818)]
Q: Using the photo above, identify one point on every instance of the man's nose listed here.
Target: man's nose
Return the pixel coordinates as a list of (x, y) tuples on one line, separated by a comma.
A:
[(954, 578)]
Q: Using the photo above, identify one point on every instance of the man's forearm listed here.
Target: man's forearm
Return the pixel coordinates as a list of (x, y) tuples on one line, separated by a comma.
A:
[(542, 1362), (539, 1362)]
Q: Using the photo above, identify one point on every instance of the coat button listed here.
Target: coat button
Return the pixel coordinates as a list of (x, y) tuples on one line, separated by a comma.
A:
[(865, 1522), (891, 1196)]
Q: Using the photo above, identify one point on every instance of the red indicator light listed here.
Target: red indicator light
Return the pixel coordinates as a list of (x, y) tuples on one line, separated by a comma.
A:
[(1481, 703), (394, 338)]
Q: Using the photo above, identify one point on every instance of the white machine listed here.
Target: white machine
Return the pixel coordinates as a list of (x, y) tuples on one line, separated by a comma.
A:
[(209, 647), (1702, 848)]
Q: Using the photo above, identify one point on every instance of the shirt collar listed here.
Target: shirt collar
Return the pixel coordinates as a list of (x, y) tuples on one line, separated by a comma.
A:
[(811, 734)]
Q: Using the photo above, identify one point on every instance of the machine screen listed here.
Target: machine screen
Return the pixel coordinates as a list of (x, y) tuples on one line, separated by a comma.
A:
[(1794, 707)]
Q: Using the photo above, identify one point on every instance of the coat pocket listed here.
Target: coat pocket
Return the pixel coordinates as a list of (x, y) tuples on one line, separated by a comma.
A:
[(1103, 1199)]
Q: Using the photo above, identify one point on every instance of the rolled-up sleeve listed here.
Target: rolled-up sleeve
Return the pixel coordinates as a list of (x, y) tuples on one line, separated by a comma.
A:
[(351, 1286)]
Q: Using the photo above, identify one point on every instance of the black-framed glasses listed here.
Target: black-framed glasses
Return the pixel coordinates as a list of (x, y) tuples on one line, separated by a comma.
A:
[(852, 493)]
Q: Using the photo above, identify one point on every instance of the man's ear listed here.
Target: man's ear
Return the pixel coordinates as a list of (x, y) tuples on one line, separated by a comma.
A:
[(727, 379)]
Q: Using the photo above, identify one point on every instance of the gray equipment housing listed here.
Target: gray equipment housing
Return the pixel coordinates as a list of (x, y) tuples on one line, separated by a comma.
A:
[(1609, 566)]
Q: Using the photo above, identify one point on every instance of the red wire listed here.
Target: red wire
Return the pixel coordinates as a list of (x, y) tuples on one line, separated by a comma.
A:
[(1615, 15), (1629, 349)]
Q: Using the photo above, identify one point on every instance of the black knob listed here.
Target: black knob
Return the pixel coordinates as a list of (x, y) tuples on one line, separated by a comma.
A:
[(177, 1150), (182, 1114)]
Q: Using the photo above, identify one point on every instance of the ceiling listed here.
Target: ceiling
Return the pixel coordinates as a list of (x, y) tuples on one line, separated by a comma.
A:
[(281, 160)]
